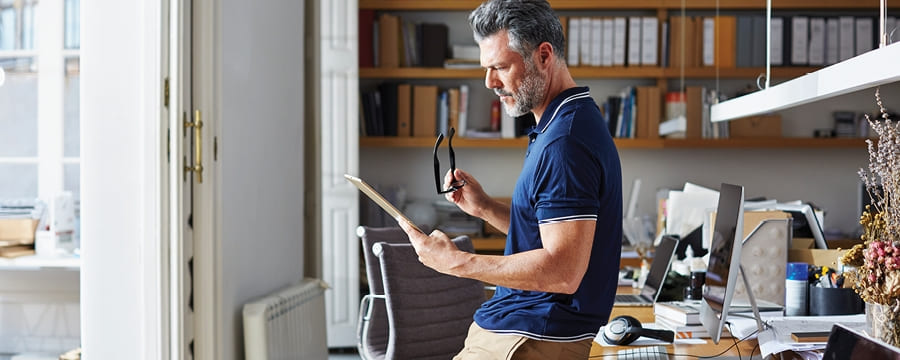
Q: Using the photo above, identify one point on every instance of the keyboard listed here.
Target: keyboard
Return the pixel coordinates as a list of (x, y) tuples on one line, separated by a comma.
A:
[(644, 353)]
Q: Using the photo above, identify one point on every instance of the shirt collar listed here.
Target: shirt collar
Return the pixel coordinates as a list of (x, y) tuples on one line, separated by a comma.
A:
[(563, 97)]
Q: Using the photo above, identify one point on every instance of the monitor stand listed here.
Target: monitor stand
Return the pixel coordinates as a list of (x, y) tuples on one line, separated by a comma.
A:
[(753, 306)]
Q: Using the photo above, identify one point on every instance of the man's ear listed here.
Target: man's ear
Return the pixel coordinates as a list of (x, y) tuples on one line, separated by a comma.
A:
[(545, 53)]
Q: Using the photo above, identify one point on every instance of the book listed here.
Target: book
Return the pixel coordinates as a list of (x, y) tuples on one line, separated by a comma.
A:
[(695, 331), (365, 30), (463, 120), (678, 312), (425, 98), (687, 312), (389, 37), (434, 44)]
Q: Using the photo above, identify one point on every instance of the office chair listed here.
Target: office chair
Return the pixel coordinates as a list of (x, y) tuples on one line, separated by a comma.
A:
[(412, 311)]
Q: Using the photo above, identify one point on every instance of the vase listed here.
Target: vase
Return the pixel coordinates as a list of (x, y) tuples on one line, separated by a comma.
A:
[(883, 323)]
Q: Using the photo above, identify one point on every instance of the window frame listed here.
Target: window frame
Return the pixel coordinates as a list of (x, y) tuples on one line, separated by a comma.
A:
[(49, 55)]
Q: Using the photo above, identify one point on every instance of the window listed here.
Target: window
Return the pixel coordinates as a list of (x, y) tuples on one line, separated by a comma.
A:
[(39, 98)]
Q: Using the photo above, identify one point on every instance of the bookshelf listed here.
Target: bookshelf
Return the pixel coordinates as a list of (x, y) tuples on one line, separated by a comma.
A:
[(589, 73), (731, 143), (655, 160)]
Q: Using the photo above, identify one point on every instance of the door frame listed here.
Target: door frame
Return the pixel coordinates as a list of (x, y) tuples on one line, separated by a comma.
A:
[(198, 22)]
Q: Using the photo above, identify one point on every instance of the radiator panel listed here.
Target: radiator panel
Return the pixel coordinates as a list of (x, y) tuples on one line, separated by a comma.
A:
[(287, 324)]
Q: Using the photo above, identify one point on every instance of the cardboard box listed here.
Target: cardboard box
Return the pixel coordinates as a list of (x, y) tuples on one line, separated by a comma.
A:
[(17, 231), (802, 250), (756, 126)]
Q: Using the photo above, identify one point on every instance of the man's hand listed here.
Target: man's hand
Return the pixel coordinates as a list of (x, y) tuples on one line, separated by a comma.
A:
[(470, 198), (436, 250)]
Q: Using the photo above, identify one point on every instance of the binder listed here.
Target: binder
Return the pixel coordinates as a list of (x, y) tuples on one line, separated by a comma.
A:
[(847, 37), (634, 41), (606, 54), (404, 110), (694, 112), (799, 40), (425, 110), (649, 41), (596, 45), (586, 41), (758, 47), (389, 108), (817, 41), (865, 35), (832, 41), (776, 54), (709, 41), (573, 42), (725, 41), (618, 45), (744, 41), (389, 41)]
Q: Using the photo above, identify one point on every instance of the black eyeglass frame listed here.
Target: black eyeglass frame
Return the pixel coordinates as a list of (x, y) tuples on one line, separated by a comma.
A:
[(455, 184)]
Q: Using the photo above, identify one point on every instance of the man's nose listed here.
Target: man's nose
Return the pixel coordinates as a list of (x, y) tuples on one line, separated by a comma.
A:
[(491, 81)]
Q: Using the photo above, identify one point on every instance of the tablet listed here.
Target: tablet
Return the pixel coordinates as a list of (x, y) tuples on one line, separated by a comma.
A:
[(378, 199)]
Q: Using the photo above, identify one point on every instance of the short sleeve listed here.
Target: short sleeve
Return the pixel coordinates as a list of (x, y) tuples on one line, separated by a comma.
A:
[(567, 183)]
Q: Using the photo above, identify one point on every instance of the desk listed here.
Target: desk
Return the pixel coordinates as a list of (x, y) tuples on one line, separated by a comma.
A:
[(645, 315)]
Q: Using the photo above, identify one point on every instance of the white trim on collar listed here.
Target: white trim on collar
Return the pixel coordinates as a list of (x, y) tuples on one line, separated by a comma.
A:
[(570, 98)]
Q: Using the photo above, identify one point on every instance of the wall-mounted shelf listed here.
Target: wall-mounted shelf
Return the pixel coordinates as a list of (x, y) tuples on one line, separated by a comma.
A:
[(617, 72), (813, 143)]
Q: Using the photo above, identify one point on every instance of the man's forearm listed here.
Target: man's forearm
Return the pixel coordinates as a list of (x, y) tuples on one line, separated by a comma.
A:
[(496, 213)]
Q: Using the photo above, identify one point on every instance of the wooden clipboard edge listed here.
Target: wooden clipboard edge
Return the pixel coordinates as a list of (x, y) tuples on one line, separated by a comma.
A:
[(380, 200)]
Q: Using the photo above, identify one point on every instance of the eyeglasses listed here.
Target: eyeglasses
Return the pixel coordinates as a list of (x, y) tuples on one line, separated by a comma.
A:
[(455, 184)]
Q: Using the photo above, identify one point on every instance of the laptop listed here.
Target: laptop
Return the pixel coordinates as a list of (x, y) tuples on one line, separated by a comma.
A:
[(847, 344), (662, 259)]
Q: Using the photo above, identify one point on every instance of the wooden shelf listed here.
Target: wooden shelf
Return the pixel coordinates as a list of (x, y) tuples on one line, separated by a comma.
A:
[(583, 72), (733, 143), (492, 244), (469, 5)]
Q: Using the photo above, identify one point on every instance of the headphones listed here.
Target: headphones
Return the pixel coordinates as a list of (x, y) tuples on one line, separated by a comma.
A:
[(624, 330)]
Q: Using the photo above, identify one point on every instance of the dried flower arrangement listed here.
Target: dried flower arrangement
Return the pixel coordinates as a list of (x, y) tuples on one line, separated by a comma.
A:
[(876, 277)]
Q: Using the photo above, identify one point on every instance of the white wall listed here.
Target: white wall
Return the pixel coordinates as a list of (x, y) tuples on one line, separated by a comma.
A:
[(261, 154), (120, 178)]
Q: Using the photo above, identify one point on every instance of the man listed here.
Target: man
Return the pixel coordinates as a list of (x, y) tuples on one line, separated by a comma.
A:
[(557, 279)]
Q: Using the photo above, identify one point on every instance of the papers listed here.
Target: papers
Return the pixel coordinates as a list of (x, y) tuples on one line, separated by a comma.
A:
[(777, 337), (686, 209)]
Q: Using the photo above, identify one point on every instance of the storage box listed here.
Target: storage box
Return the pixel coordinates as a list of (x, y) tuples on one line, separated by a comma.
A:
[(756, 126), (17, 231)]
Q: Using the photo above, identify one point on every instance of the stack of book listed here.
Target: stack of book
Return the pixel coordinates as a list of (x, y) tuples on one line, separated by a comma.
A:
[(683, 317)]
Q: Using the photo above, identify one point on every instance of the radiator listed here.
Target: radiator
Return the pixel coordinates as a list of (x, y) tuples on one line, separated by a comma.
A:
[(287, 324)]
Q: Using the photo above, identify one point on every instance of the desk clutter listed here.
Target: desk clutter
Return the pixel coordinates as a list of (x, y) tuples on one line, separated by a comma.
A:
[(32, 226)]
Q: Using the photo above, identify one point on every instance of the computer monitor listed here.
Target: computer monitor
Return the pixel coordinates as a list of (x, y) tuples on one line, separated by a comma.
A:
[(724, 260)]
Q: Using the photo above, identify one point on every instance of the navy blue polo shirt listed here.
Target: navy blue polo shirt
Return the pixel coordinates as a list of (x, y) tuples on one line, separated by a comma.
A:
[(571, 173)]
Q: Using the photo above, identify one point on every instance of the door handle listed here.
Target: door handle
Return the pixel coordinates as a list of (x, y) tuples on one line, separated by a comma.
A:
[(197, 124)]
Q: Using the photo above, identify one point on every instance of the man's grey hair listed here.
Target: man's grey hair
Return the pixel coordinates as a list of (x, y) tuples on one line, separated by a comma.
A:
[(527, 22)]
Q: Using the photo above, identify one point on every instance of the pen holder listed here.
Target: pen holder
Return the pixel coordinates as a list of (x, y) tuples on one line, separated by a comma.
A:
[(834, 301)]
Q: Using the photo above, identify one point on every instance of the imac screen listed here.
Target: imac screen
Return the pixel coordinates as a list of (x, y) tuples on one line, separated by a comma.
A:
[(724, 260)]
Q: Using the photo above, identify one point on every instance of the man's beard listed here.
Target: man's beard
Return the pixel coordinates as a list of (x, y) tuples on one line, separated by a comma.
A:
[(530, 92)]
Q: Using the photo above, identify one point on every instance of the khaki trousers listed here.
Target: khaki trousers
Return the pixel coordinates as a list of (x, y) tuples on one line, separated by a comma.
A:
[(485, 345)]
